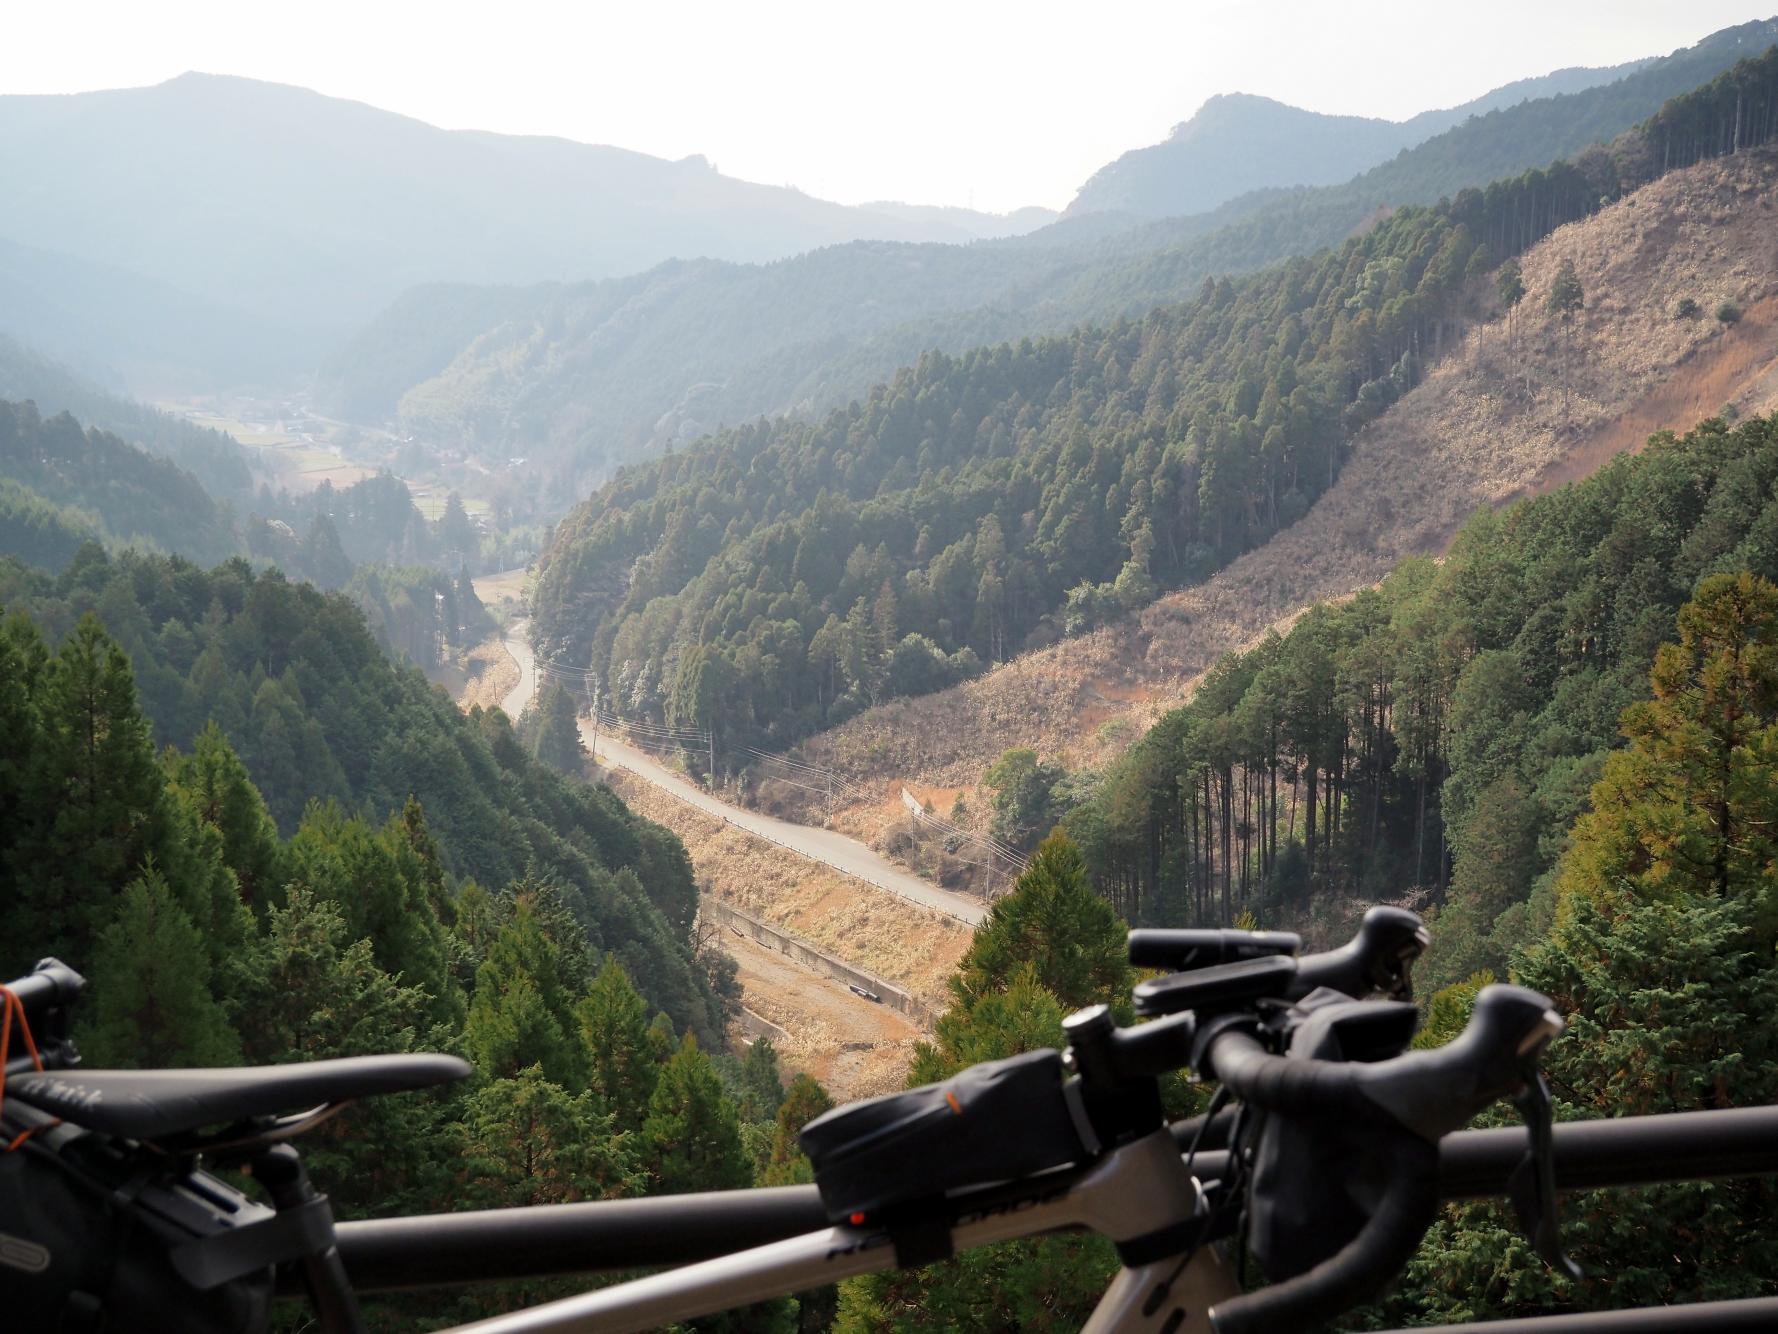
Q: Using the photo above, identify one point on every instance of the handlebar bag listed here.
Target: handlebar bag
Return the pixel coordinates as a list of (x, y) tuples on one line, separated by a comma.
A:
[(991, 1122), (1317, 1180), (88, 1228)]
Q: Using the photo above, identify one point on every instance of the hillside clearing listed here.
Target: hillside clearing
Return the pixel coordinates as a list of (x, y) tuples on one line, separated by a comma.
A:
[(1505, 415)]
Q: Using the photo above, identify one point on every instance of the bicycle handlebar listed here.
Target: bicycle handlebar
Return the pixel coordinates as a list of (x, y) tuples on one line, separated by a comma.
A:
[(51, 984), (1379, 1252), (1181, 951), (1413, 1100), (1429, 1092), (1379, 957)]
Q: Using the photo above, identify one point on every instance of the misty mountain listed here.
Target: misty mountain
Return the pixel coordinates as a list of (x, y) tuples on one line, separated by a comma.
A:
[(212, 201), (1237, 142), (583, 377), (967, 222)]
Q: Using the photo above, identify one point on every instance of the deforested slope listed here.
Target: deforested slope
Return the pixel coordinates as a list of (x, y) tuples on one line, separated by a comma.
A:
[(781, 578), (1513, 411)]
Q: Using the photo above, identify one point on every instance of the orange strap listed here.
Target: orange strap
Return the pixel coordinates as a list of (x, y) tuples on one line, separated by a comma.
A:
[(12, 1007)]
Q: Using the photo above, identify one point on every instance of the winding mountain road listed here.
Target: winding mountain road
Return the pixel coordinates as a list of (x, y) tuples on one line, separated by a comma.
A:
[(846, 855)]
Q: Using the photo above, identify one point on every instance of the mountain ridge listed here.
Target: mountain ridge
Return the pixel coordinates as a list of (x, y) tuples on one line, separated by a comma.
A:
[(310, 212), (1237, 142)]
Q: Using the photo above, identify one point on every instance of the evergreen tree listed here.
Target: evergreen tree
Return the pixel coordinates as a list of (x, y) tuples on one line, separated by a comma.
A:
[(378, 882), (1055, 923), (762, 1087), (97, 793), (1688, 809), (309, 992), (520, 1015), (456, 532), (1566, 296), (216, 784), (152, 1003), (556, 740), (621, 1059), (1023, 809), (1510, 284), (324, 559), (1663, 959), (525, 1141), (787, 1164), (692, 1135)]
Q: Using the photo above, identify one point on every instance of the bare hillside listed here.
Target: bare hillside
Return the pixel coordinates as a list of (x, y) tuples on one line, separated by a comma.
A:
[(1520, 407)]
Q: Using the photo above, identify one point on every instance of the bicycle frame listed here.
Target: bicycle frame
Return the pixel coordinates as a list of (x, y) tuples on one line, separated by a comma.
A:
[(793, 1249), (1138, 1191)]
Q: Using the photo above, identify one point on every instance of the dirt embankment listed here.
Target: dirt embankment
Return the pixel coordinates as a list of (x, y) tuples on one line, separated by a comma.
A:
[(854, 1046), (1519, 408), (482, 675)]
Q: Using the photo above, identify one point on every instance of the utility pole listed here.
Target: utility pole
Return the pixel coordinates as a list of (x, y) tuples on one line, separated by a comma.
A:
[(710, 735), (593, 708)]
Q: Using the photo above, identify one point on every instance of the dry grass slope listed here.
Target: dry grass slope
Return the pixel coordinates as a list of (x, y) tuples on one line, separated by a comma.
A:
[(1504, 415), (851, 1045)]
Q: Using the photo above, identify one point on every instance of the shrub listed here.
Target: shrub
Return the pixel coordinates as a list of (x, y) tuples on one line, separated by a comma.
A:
[(1687, 309), (1728, 312)]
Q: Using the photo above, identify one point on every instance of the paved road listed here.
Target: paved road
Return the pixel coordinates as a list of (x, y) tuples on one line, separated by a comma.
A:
[(520, 648), (844, 854)]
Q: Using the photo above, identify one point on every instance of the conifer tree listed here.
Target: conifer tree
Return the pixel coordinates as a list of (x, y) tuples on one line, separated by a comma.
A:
[(20, 740), (614, 1026), (152, 1004), (1056, 923), (787, 1164), (762, 1087), (215, 783), (526, 1141), (1663, 960), (323, 558), (556, 740), (456, 533), (1566, 295), (692, 1134), (520, 1015), (663, 1038), (97, 790), (308, 992)]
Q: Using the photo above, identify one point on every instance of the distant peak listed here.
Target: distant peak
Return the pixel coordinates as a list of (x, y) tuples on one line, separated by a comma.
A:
[(1223, 109)]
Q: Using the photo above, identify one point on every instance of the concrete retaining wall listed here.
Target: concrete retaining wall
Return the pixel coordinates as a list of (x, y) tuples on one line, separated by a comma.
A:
[(757, 1025), (777, 938)]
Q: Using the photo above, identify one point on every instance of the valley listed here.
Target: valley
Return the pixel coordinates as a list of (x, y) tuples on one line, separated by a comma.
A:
[(702, 652), (830, 891)]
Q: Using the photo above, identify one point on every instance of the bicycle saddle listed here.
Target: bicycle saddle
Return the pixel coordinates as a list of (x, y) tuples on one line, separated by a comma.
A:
[(152, 1104)]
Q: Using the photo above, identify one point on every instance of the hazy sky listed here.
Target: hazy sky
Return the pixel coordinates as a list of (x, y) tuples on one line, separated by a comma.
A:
[(954, 102)]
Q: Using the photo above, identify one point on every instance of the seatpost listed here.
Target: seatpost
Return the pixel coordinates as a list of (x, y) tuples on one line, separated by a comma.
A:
[(279, 1168)]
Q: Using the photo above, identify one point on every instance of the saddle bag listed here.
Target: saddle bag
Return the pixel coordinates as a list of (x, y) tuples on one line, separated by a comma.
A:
[(99, 1235)]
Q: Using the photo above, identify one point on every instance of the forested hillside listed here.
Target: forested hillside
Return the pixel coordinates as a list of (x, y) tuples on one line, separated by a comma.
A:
[(211, 936), (782, 577), (215, 459), (125, 495), (602, 373), (1441, 733), (330, 729)]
